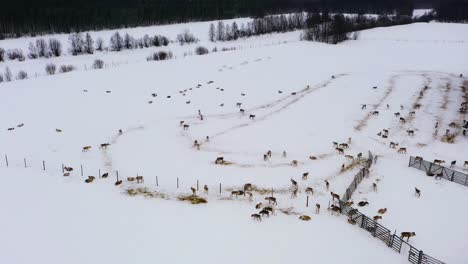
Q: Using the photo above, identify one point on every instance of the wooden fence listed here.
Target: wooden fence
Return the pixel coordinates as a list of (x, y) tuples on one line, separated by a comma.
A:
[(377, 230), (433, 169)]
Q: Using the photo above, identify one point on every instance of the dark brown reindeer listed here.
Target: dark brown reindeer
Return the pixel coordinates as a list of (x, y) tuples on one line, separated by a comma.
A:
[(317, 208), (402, 150), (340, 151), (363, 106), (375, 113), (264, 213), (256, 217), (194, 191), (309, 190), (417, 192), (295, 163), (186, 126), (410, 132), (402, 120), (407, 235), (393, 144), (397, 114), (219, 160), (205, 188), (382, 211), (374, 187), (363, 203), (305, 175), (327, 184), (438, 162), (334, 195), (251, 117), (139, 179), (271, 199)]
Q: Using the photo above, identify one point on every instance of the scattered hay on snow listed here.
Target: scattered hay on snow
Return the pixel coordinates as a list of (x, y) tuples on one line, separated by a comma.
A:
[(193, 199)]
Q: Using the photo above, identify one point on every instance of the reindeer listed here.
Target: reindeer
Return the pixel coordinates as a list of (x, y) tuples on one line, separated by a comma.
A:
[(374, 187), (362, 203), (351, 221), (219, 160), (248, 187), (118, 182), (250, 194), (68, 169), (238, 104), (407, 235), (66, 174), (104, 145), (86, 148), (418, 159), (438, 162), (439, 176), (270, 209), (205, 188), (417, 192), (284, 154), (359, 155), (402, 120), (363, 107), (312, 158), (334, 209), (294, 163), (243, 94), (335, 144), (327, 184), (256, 217), (258, 206), (105, 175), (410, 132), (242, 111), (90, 179), (305, 218), (397, 114), (343, 145), (251, 117), (340, 151), (375, 113), (294, 191), (382, 211), (317, 208), (58, 130), (305, 175), (348, 203), (186, 126), (20, 125), (377, 217), (402, 150), (237, 193), (271, 199), (131, 179), (194, 191), (412, 113), (140, 179), (334, 195), (465, 164), (265, 157), (393, 144), (264, 213), (309, 190), (120, 132), (294, 183), (181, 123), (269, 153)]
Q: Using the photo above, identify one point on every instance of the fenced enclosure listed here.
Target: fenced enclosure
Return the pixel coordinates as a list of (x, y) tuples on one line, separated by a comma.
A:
[(438, 171), (377, 230)]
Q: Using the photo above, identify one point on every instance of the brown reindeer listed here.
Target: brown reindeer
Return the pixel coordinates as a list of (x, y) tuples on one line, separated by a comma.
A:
[(270, 209), (410, 132), (237, 193), (186, 126), (402, 150), (194, 191), (181, 123), (265, 157), (248, 187), (269, 153), (242, 111), (264, 213), (334, 195), (294, 163), (251, 117), (131, 179), (219, 160), (402, 120), (348, 203), (140, 179), (256, 217), (271, 199), (305, 175), (397, 114), (205, 188), (382, 211), (238, 104), (374, 187), (66, 174), (86, 148), (327, 184), (393, 144), (118, 182), (58, 130), (439, 162), (312, 158), (377, 217), (259, 206), (334, 209), (363, 107), (407, 235), (340, 151), (375, 113), (465, 164), (104, 145), (68, 168), (351, 221), (105, 175), (453, 163), (343, 145), (309, 190), (363, 203), (317, 208), (418, 159), (90, 179)]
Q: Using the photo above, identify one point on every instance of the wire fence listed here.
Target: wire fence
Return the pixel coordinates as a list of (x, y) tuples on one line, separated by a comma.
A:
[(378, 231), (438, 171)]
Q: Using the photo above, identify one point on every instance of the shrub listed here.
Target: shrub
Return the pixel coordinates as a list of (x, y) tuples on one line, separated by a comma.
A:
[(22, 75), (186, 37), (8, 75), (116, 42), (99, 44), (2, 55), (55, 47), (1, 78), (66, 68), (98, 64), (159, 40), (201, 50), (76, 43), (160, 55), (50, 69), (15, 54)]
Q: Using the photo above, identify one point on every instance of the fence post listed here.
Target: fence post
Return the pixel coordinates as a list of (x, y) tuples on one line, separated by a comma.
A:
[(307, 201), (25, 162), (420, 257), (177, 182), (219, 188), (430, 167), (99, 173), (363, 221), (272, 192), (117, 174), (63, 168), (81, 170), (197, 185), (157, 184), (6, 160), (43, 164), (409, 162)]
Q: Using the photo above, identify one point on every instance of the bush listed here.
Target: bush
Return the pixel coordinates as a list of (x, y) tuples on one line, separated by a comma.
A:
[(1, 78), (201, 50), (55, 47), (50, 69), (159, 40), (66, 68), (116, 42), (22, 75), (2, 55), (15, 54), (8, 75), (99, 44), (186, 37), (160, 55), (98, 64)]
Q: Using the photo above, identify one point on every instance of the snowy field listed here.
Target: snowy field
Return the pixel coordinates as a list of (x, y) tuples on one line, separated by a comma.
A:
[(299, 108)]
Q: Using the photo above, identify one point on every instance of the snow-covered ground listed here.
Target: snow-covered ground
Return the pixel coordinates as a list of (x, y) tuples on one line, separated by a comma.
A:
[(299, 108)]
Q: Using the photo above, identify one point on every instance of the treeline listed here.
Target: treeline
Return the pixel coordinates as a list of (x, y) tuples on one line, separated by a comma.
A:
[(452, 11), (21, 17), (337, 28), (258, 26)]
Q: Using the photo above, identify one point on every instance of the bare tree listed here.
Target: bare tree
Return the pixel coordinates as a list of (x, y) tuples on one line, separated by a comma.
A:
[(212, 33), (88, 44), (42, 48), (33, 54), (76, 43), (129, 42), (116, 42), (99, 44), (220, 33), (186, 37), (55, 47)]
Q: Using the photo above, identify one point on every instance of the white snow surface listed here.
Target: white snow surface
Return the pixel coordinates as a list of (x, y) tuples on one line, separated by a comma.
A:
[(48, 218)]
